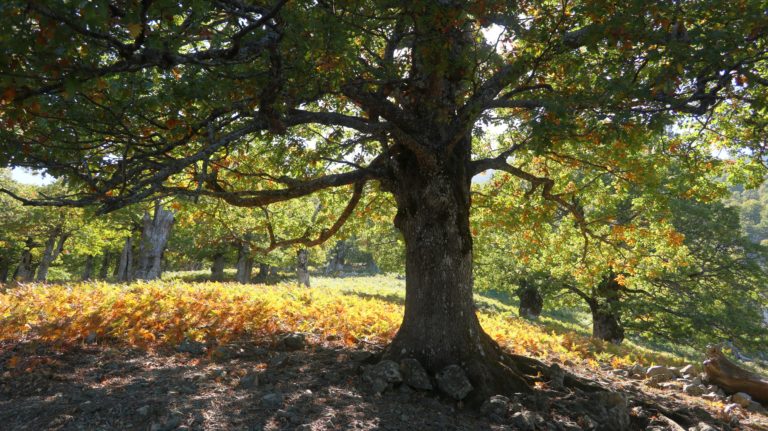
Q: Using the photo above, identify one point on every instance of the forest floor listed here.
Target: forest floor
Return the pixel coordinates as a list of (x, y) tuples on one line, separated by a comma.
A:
[(136, 376)]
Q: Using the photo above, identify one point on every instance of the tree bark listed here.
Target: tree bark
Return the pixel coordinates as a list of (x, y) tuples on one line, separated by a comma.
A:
[(732, 378), (337, 259), (125, 264), (53, 248), (244, 264), (606, 316), (4, 269), (105, 262), (217, 268), (531, 301), (261, 277), (302, 267), (154, 237), (440, 326), (88, 270)]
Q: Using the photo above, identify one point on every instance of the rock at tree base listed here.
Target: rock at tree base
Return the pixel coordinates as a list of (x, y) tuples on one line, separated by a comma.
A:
[(454, 382), (414, 375), (294, 341), (496, 407), (360, 355), (382, 375)]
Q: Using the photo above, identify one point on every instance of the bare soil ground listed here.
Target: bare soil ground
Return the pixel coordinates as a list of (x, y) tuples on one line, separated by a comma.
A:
[(252, 386)]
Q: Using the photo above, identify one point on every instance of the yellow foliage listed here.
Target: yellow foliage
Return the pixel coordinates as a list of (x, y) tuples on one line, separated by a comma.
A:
[(150, 314)]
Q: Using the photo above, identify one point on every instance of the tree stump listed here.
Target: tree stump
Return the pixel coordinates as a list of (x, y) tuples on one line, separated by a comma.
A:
[(732, 378)]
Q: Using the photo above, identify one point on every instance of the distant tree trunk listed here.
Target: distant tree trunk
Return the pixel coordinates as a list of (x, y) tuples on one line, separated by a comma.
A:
[(371, 266), (217, 269), (25, 271), (302, 266), (261, 277), (106, 259), (89, 263), (4, 269), (125, 264), (154, 237), (53, 248), (606, 315), (531, 301), (337, 258), (244, 264)]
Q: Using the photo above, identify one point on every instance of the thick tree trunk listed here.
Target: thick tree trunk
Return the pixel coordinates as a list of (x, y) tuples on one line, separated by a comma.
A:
[(605, 308), (53, 248), (531, 301), (125, 264), (302, 267), (106, 260), (154, 237), (337, 259), (261, 277), (217, 268), (606, 326), (244, 264), (440, 326), (88, 270)]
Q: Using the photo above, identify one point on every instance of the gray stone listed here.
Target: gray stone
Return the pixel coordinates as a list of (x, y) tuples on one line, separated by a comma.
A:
[(294, 341), (731, 409), (414, 375), (522, 421), (191, 346), (495, 407), (272, 400), (248, 381), (742, 399), (387, 370), (454, 382), (143, 410), (694, 390), (382, 375), (360, 355), (636, 370), (701, 426), (659, 373), (688, 370), (620, 373)]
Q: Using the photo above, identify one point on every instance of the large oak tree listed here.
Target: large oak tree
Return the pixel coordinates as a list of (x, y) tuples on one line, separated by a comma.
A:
[(257, 102)]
